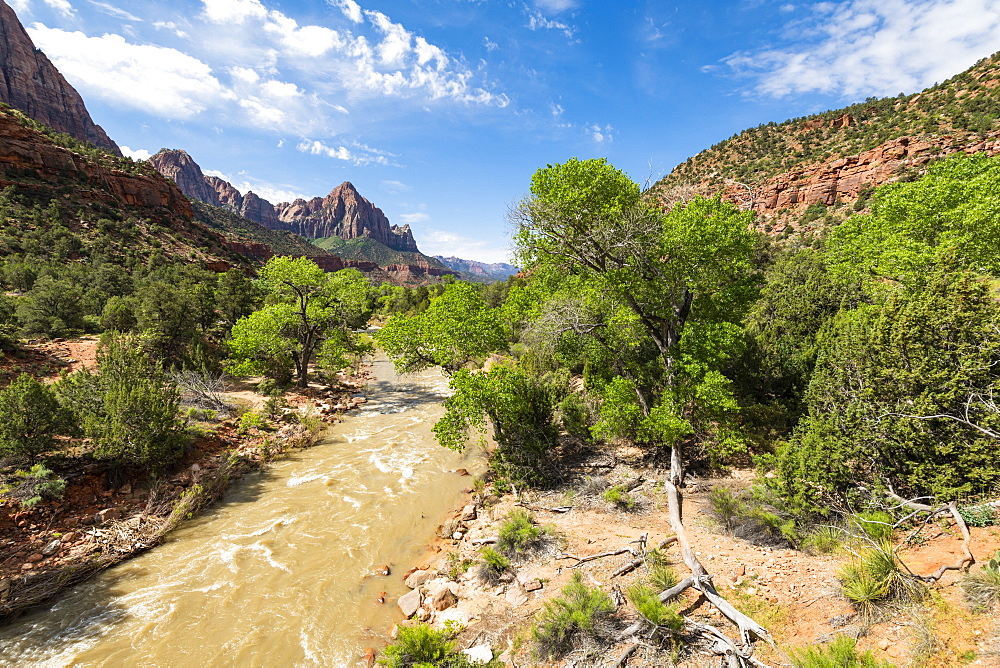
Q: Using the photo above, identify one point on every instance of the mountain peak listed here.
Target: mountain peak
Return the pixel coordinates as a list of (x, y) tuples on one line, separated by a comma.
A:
[(31, 83)]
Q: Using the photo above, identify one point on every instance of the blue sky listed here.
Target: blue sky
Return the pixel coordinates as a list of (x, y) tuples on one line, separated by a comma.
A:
[(439, 111)]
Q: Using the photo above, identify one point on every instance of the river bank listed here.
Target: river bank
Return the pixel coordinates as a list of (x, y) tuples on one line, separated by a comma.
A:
[(94, 526), (796, 595)]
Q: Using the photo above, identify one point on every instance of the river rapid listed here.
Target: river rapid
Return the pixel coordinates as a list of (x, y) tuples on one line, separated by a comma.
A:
[(279, 572)]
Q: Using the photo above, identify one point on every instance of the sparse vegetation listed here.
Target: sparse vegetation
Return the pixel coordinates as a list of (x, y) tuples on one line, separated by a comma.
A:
[(420, 645), (981, 586), (619, 497), (841, 652), (577, 614)]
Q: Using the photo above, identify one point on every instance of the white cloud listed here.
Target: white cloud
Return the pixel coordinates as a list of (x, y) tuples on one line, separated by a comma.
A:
[(490, 44), (20, 7), (272, 192), (233, 11), (172, 27), (448, 244), (351, 10), (555, 6), (61, 6), (874, 47), (538, 21), (164, 81), (395, 186), (359, 156), (117, 12), (414, 217), (600, 134), (135, 154)]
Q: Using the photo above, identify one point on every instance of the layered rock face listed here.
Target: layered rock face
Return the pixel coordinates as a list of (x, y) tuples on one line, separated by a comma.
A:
[(844, 178), (343, 213), (32, 84), (25, 150), (346, 214)]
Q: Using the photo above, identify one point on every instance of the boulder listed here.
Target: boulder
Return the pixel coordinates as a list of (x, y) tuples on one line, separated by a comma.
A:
[(479, 654), (417, 578), (468, 513), (443, 599), (423, 614), (516, 596), (409, 602)]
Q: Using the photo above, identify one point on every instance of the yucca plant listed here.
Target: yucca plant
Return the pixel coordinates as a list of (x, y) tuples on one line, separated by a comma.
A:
[(982, 587)]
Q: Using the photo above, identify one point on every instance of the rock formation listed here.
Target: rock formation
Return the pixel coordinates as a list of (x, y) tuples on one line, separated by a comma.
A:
[(346, 214), (343, 213), (32, 84)]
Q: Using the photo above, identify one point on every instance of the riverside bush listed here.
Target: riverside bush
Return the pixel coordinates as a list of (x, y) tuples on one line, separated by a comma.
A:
[(577, 613), (492, 565), (841, 652), (30, 417), (519, 535), (421, 646), (31, 486)]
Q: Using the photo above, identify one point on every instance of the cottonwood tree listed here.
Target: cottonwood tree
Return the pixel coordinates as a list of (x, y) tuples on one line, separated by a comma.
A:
[(304, 308), (455, 329), (681, 282)]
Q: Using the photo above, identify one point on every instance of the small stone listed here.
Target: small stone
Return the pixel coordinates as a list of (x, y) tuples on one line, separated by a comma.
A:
[(382, 570), (534, 585), (196, 467), (409, 603), (52, 547), (68, 537), (479, 654), (468, 513), (35, 558), (416, 578), (27, 567), (125, 489), (458, 535), (884, 644), (443, 599), (516, 596), (423, 614)]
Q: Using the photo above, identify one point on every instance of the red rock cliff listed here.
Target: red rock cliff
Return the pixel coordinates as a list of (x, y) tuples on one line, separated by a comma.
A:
[(31, 83)]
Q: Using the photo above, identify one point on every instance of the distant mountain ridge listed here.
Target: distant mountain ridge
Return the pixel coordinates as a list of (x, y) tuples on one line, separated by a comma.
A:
[(32, 84), (343, 213), (471, 269)]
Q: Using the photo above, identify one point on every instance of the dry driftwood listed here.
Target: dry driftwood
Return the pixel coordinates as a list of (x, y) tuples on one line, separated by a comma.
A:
[(952, 509)]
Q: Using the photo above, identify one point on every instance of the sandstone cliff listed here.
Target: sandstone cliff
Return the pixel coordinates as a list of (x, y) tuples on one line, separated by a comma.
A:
[(31, 83)]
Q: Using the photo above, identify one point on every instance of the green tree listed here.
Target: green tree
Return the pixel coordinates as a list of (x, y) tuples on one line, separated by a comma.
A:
[(304, 307), (53, 307), (455, 329), (882, 373), (128, 407), (680, 283), (30, 418)]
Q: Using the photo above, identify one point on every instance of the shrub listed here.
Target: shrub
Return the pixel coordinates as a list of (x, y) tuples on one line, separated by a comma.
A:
[(873, 579), (30, 417), (519, 535), (250, 420), (31, 486), (824, 540), (661, 575), (877, 525), (982, 587), (654, 611), (578, 611), (423, 646), (841, 652), (455, 565), (979, 516), (747, 518), (619, 497), (492, 565)]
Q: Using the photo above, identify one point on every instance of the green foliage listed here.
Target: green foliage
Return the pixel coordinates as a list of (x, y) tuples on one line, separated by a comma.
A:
[(519, 535), (53, 307), (841, 652), (8, 323), (456, 329), (876, 525), (979, 516), (519, 409), (492, 565), (824, 540), (749, 518), (654, 611), (981, 587), (886, 380), (250, 420), (30, 418), (952, 207), (619, 497), (32, 486), (304, 308), (424, 647), (661, 575), (577, 612), (129, 407), (873, 579)]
